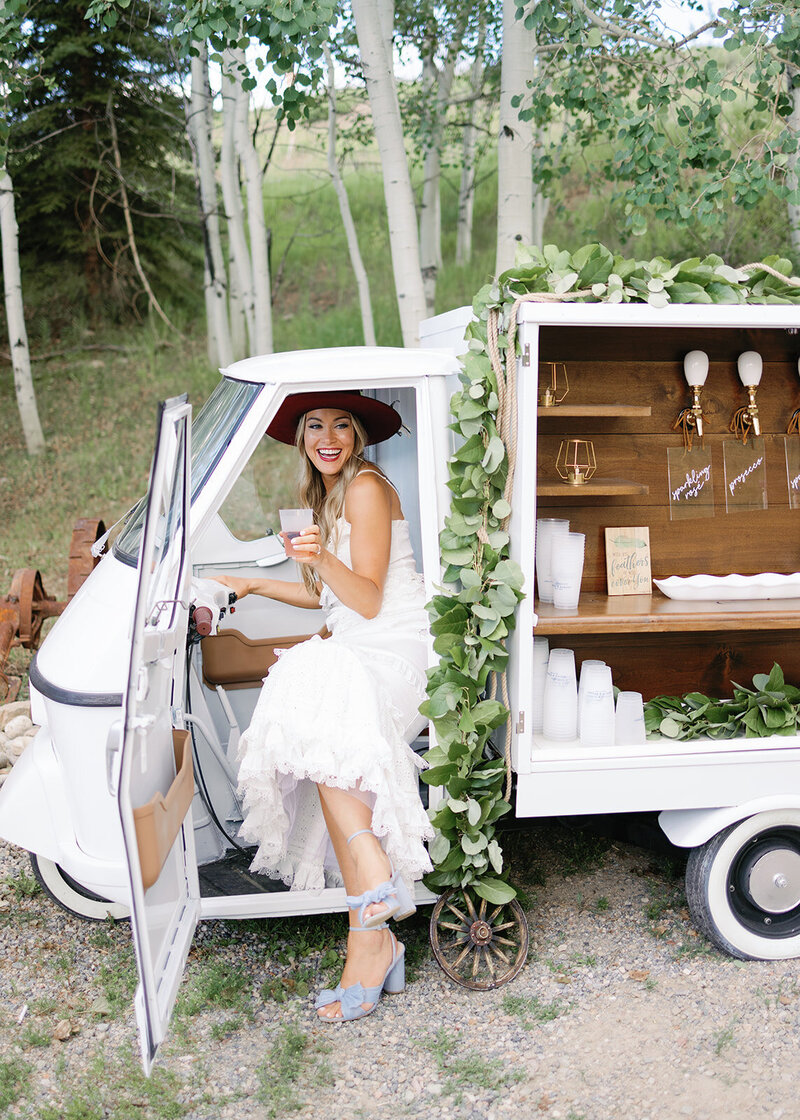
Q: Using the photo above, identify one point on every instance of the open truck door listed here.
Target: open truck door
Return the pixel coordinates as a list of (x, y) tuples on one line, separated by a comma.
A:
[(155, 778)]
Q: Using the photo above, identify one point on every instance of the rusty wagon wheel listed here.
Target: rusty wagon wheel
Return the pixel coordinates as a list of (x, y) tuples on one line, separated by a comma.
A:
[(479, 945), (85, 532)]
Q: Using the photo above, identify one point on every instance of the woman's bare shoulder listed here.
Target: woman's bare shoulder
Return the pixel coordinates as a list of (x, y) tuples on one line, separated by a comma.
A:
[(369, 492)]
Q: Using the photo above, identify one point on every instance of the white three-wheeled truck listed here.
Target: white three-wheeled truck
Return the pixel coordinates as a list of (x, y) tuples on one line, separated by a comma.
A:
[(127, 797)]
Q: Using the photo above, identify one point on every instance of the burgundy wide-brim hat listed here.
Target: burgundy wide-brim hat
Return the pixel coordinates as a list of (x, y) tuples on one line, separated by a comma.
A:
[(380, 420)]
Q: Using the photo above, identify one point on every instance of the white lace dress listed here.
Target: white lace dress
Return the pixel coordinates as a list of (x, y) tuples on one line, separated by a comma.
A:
[(342, 711)]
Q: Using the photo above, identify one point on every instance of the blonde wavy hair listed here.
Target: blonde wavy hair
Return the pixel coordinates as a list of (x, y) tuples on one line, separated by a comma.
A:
[(328, 505)]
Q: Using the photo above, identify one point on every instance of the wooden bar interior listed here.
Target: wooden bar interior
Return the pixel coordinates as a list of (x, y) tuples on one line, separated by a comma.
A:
[(659, 645)]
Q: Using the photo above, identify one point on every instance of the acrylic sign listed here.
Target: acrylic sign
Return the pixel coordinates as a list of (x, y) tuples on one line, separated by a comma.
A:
[(745, 475), (793, 470), (628, 560), (691, 483)]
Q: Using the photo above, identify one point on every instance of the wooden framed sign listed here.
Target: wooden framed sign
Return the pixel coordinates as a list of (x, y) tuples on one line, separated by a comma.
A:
[(628, 560)]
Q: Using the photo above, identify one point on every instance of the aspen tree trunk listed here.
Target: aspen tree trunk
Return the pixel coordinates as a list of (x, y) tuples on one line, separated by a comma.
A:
[(261, 339), (370, 21), (430, 234), (220, 352), (792, 179), (466, 189), (238, 251), (15, 315), (515, 194), (238, 319), (362, 282)]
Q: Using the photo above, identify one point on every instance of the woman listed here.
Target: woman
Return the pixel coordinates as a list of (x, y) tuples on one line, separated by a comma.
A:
[(325, 762)]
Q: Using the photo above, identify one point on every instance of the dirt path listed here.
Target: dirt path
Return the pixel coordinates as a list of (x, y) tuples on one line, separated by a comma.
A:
[(622, 1010)]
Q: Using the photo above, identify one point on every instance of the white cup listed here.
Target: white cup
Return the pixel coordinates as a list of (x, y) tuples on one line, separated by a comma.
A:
[(583, 677), (293, 520), (566, 569), (541, 655), (560, 719), (546, 528), (629, 720), (597, 707)]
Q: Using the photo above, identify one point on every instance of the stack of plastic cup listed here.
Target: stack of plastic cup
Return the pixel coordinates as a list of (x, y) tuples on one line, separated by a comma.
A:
[(546, 529), (629, 726), (560, 696), (582, 684), (597, 706), (566, 569), (541, 655)]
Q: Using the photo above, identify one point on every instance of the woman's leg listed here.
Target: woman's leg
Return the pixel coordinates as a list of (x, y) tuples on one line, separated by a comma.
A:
[(363, 866)]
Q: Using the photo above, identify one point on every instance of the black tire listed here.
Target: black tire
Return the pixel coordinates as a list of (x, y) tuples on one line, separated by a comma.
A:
[(67, 893), (743, 887)]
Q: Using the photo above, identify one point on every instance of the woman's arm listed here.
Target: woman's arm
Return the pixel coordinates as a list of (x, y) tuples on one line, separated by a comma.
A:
[(368, 508), (295, 594)]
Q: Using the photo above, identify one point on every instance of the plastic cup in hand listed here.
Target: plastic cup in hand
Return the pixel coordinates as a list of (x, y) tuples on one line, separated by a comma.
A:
[(546, 529), (566, 569), (597, 707), (560, 696), (629, 723), (541, 656), (584, 675), (294, 520)]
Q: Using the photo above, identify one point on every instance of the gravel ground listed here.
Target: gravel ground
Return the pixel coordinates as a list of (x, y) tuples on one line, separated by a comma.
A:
[(621, 1011)]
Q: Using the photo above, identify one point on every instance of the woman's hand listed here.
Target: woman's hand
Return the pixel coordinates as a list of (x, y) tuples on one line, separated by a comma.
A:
[(240, 587), (307, 547)]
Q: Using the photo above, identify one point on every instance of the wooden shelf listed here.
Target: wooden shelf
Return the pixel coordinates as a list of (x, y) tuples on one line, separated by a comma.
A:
[(594, 488), (632, 614), (605, 410)]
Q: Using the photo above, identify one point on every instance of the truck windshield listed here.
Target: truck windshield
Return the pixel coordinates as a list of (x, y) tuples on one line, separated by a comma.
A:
[(212, 431)]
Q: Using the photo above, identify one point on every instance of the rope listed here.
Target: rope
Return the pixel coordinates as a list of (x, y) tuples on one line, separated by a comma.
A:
[(507, 426), (756, 266)]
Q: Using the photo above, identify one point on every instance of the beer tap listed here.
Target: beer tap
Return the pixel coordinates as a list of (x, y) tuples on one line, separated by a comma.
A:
[(745, 419), (690, 419)]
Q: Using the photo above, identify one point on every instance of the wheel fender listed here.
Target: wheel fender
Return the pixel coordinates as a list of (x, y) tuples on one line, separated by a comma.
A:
[(688, 828), (33, 808)]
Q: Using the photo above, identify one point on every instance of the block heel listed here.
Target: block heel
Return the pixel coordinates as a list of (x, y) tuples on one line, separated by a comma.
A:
[(395, 981), (405, 903), (351, 999), (394, 896)]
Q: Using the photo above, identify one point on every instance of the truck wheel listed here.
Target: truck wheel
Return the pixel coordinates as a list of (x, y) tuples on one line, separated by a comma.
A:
[(71, 896), (743, 887)]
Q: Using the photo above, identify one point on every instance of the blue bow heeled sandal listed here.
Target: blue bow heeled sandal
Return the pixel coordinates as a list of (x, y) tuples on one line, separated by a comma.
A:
[(394, 895), (352, 998)]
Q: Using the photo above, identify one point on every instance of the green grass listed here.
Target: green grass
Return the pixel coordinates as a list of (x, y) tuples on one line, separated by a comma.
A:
[(292, 1068), (462, 1069), (14, 1079), (118, 979), (22, 885), (530, 1010), (118, 1089), (215, 984)]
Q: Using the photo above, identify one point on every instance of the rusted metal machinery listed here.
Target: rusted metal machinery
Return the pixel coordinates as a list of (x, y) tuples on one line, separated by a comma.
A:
[(27, 605)]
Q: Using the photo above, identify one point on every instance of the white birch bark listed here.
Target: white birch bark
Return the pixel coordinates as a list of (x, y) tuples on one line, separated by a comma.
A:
[(261, 339), (15, 316), (466, 188), (398, 192), (792, 179), (238, 251), (362, 281), (515, 194), (220, 352), (238, 320), (430, 229)]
